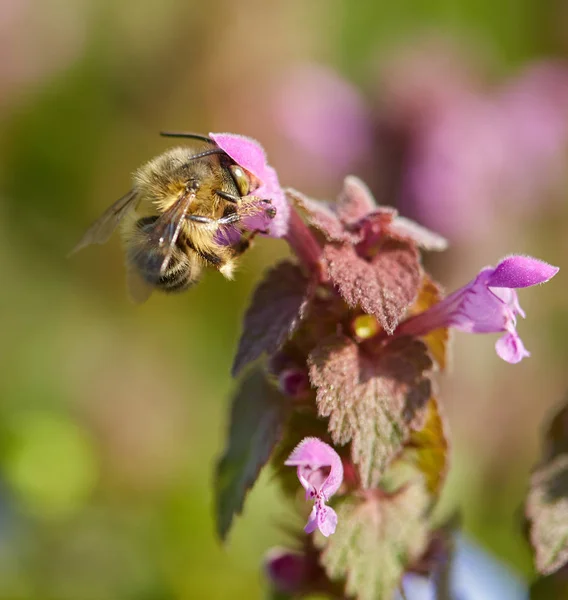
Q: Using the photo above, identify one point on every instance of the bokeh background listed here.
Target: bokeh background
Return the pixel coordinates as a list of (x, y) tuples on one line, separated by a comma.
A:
[(112, 415)]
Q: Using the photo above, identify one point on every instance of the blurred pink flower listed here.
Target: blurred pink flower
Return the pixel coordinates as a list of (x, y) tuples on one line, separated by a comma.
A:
[(324, 115), (534, 116), (485, 152), (487, 304), (447, 149), (286, 570), (38, 42), (320, 472)]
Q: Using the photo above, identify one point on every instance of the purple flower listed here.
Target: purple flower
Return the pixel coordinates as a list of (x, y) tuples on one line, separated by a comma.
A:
[(320, 472), (287, 571), (250, 155), (488, 304), (325, 117)]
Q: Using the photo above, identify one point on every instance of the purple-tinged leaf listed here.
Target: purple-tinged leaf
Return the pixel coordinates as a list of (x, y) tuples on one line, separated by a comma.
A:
[(373, 400), (547, 510), (258, 416), (355, 201), (385, 286), (376, 540), (322, 216), (276, 309), (405, 229)]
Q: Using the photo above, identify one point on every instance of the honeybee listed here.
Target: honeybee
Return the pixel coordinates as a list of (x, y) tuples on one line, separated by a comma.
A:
[(173, 219)]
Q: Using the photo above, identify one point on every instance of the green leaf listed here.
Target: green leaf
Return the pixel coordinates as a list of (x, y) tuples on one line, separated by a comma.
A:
[(547, 510), (258, 416), (373, 397), (430, 448), (377, 538)]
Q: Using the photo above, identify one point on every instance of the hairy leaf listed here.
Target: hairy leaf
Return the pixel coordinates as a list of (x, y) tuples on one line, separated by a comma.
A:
[(437, 341), (323, 217), (354, 216), (547, 510), (258, 415), (405, 229), (277, 307), (372, 400), (355, 201), (384, 286), (376, 539), (431, 448)]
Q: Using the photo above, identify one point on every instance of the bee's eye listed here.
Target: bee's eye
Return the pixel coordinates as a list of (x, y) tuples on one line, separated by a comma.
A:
[(241, 179)]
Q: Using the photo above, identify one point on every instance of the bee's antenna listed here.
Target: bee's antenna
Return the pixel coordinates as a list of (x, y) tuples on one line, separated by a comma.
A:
[(193, 136), (207, 153)]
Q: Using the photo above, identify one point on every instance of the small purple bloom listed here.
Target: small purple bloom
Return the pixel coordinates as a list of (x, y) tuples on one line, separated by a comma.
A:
[(488, 304), (250, 155), (320, 472), (287, 571)]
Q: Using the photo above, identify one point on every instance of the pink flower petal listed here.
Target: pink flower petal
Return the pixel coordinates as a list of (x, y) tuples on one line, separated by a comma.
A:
[(310, 455), (510, 348), (250, 155), (320, 472), (243, 150), (312, 523), (327, 520), (520, 272), (488, 304)]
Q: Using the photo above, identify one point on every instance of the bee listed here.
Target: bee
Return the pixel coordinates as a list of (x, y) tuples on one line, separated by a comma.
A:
[(173, 220)]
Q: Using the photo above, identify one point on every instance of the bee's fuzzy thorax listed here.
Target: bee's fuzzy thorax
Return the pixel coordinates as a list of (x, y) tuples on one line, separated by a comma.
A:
[(162, 180)]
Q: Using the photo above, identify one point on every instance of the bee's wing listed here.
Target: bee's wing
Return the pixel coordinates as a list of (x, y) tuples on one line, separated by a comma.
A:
[(100, 231), (161, 237), (139, 290)]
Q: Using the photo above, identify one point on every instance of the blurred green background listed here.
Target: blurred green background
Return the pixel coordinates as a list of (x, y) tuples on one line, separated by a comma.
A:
[(112, 415)]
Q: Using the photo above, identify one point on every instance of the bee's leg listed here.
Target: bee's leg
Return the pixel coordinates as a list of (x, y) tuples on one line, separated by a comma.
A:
[(228, 197), (227, 220)]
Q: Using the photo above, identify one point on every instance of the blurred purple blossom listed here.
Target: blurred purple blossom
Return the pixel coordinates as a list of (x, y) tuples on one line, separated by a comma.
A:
[(320, 472), (324, 115), (286, 570), (487, 304), (448, 151), (488, 151), (250, 155)]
